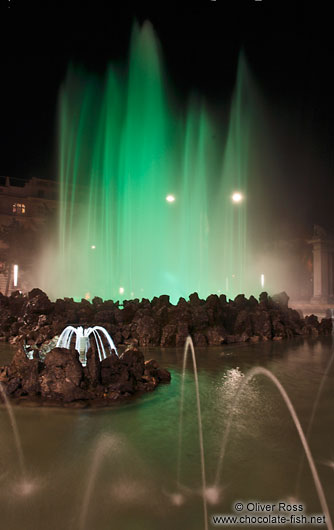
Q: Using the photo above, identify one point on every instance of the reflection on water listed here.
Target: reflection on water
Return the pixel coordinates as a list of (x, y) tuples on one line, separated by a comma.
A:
[(134, 487)]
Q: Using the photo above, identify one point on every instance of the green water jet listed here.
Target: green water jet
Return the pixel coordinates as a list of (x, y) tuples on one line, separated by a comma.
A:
[(123, 148)]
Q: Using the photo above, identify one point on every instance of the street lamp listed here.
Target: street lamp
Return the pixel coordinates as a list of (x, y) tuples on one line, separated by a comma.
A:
[(237, 197)]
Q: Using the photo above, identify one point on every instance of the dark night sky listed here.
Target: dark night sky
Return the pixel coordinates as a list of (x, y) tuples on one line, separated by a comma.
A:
[(288, 45)]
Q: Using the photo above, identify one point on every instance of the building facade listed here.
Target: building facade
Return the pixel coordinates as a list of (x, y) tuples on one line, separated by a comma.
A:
[(29, 202)]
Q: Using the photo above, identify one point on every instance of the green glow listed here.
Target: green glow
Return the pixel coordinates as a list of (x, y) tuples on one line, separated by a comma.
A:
[(123, 147)]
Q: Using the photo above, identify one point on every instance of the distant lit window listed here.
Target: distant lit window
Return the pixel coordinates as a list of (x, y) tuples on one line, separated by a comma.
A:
[(19, 208)]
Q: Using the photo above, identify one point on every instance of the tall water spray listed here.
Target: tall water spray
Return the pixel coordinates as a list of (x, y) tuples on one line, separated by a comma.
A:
[(124, 148)]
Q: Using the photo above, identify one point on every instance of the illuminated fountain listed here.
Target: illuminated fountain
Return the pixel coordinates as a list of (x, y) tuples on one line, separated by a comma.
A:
[(82, 341), (150, 193)]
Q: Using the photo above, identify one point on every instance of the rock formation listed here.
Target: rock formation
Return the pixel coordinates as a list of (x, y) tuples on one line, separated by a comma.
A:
[(214, 321), (61, 378)]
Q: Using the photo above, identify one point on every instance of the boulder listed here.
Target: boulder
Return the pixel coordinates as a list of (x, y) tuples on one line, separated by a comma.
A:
[(199, 339), (152, 369), (93, 366), (194, 299), (182, 334), (61, 377), (281, 299), (146, 330), (261, 324), (243, 323), (168, 335), (26, 371), (38, 303), (133, 359), (216, 335)]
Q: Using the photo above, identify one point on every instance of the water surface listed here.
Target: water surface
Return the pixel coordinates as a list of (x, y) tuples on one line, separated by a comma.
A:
[(137, 478)]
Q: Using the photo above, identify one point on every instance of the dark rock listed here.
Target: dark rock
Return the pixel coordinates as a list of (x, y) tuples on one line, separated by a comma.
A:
[(27, 370), (38, 303), (133, 359), (326, 326), (146, 331), (62, 375), (240, 301), (35, 292), (104, 316), (194, 299), (212, 300), (93, 366), (263, 298), (200, 317), (243, 324), (222, 300), (282, 299), (278, 328), (112, 370), (168, 335), (216, 335), (13, 385), (252, 302), (152, 369), (97, 301), (312, 320), (182, 334), (199, 339), (261, 324)]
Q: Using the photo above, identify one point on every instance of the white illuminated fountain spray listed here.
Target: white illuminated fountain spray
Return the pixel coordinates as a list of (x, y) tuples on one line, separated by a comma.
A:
[(311, 420), (105, 446), (25, 487), (82, 341), (178, 497), (263, 371), (15, 431)]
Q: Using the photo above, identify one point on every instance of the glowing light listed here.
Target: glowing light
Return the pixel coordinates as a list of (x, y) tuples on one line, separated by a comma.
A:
[(16, 274), (237, 197), (170, 198), (121, 290), (262, 280), (212, 495), (93, 247)]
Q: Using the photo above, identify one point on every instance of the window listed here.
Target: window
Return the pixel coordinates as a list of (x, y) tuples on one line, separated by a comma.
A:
[(19, 208)]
